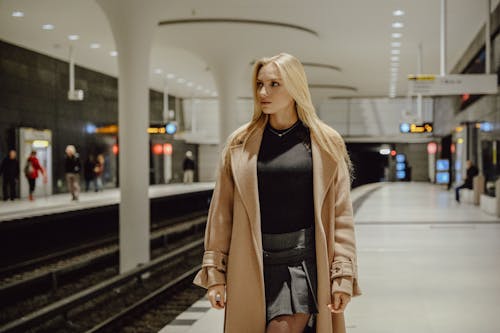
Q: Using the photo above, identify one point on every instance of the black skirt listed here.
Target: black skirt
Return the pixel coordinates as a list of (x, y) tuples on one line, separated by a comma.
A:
[(290, 273)]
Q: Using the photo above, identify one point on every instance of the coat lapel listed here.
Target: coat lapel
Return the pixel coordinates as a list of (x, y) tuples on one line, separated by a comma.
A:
[(244, 168), (323, 167)]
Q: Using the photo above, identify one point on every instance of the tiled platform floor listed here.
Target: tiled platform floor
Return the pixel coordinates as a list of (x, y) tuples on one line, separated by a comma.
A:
[(45, 205), (426, 264)]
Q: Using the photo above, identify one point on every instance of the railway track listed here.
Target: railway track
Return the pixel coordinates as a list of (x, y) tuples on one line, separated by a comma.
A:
[(104, 306), (22, 295)]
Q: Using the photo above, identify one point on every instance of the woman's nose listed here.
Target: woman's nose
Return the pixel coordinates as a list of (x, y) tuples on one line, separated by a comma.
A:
[(262, 91)]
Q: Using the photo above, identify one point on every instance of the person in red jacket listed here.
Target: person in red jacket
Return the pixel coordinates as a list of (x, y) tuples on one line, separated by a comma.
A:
[(31, 172)]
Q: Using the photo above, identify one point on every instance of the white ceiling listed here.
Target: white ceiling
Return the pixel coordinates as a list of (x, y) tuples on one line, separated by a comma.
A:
[(354, 35)]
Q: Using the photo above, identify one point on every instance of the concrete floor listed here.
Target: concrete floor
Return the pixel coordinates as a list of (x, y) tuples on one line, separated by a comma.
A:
[(426, 264)]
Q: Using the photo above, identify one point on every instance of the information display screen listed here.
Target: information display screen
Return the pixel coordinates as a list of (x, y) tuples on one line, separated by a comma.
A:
[(400, 158), (400, 174), (443, 177), (442, 165), (400, 166)]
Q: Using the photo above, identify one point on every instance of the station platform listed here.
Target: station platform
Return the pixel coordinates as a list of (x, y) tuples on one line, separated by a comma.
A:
[(59, 203), (426, 264)]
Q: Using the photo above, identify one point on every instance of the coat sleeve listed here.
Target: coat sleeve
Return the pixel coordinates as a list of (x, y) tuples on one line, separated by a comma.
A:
[(344, 272), (218, 232)]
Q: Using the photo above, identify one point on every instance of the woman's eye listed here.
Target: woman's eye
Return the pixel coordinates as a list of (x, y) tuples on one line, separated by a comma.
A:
[(275, 84), (259, 84)]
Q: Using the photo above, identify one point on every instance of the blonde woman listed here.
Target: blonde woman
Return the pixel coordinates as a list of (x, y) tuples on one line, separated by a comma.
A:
[(280, 252)]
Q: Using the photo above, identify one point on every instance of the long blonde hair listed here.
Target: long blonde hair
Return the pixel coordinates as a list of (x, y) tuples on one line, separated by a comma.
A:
[(295, 81)]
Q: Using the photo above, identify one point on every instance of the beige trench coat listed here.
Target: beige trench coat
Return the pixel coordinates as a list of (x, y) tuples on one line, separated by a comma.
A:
[(233, 244)]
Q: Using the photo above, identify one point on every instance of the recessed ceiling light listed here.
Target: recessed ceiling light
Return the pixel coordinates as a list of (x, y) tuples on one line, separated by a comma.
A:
[(394, 69), (113, 53), (17, 13), (398, 12), (397, 25), (396, 44), (396, 35), (181, 80), (207, 91), (199, 88), (394, 58), (73, 37), (395, 52), (170, 76), (395, 64), (158, 71), (48, 27), (190, 84), (95, 45), (214, 94)]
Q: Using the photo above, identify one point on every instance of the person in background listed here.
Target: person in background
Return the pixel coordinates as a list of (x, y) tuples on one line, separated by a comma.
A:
[(188, 166), (88, 171), (31, 172), (72, 168), (10, 171), (471, 173), (98, 171)]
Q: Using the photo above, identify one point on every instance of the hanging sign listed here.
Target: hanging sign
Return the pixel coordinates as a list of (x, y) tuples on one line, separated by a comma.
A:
[(435, 85)]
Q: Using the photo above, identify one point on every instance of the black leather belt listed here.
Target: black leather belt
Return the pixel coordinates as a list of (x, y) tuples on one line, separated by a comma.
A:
[(288, 248)]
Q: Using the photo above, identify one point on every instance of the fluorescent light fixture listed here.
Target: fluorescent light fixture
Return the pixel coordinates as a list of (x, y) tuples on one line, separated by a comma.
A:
[(190, 84), (207, 91), (214, 94), (395, 64), (73, 37), (394, 69), (113, 53), (181, 80), (17, 13), (396, 35), (395, 58), (398, 12), (396, 44), (398, 25), (48, 27), (158, 71), (199, 88), (395, 51), (95, 45), (170, 76), (385, 151)]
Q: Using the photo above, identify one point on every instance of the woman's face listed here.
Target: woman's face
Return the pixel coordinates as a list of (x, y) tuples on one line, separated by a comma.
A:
[(271, 93)]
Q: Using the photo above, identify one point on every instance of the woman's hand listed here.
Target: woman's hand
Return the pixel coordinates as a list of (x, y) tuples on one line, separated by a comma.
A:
[(340, 301), (217, 296)]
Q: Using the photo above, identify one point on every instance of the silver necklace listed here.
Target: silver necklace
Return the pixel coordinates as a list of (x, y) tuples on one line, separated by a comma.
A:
[(285, 132)]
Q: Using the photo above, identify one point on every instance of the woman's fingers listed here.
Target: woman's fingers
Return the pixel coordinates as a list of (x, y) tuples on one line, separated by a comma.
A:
[(216, 296), (340, 301)]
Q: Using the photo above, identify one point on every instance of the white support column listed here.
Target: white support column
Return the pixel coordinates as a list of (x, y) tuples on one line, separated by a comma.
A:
[(225, 75), (443, 38), (487, 38), (133, 30)]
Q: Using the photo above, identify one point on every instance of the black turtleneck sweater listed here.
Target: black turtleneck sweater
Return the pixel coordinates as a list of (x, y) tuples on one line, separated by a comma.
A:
[(285, 179)]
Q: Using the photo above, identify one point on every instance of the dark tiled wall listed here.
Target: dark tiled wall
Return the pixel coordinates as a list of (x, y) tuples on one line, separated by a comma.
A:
[(33, 93)]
